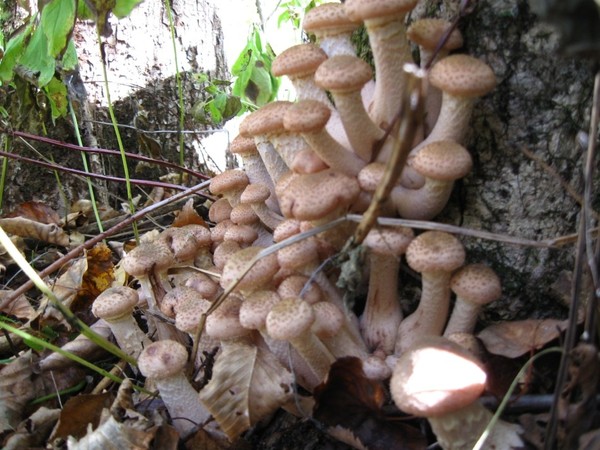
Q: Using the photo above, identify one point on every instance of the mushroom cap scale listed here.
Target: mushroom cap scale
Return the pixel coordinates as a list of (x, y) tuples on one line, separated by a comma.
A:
[(434, 251), (476, 283), (417, 387), (162, 359), (298, 61), (343, 73), (462, 75), (115, 302)]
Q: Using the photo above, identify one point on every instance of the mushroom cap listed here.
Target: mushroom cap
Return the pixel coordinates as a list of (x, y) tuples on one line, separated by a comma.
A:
[(175, 296), (243, 146), (428, 32), (462, 75), (224, 322), (229, 180), (298, 61), (328, 319), (315, 195), (148, 256), (223, 252), (289, 319), (292, 285), (298, 255), (188, 313), (434, 251), (371, 175), (243, 234), (255, 193), (115, 302), (328, 19), (306, 116), (417, 387), (361, 10), (343, 73), (256, 306), (391, 241), (285, 229), (443, 160), (243, 214), (476, 283), (203, 285), (162, 359), (220, 210), (259, 275), (182, 242), (266, 120), (217, 233)]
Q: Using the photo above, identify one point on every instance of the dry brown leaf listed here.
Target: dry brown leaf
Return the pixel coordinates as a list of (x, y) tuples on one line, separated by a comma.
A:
[(188, 216), (16, 390), (349, 404), (514, 339), (19, 307), (98, 276), (36, 211), (247, 385), (78, 412), (27, 228), (33, 431)]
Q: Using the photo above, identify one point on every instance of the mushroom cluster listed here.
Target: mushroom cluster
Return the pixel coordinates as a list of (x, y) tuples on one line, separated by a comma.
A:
[(306, 163)]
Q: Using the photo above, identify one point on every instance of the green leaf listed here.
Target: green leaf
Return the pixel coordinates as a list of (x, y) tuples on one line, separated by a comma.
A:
[(124, 7), (69, 59), (58, 19), (36, 60), (13, 51), (57, 96)]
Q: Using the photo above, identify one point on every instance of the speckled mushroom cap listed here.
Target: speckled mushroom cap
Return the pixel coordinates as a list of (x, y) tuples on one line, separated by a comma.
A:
[(417, 387), (255, 193), (224, 322), (265, 120), (289, 319), (434, 251), (175, 296), (228, 180), (328, 319), (443, 160), (219, 210), (243, 214), (182, 242), (243, 234), (115, 302), (223, 251), (476, 283), (391, 241), (428, 32), (298, 255), (328, 19), (377, 9), (256, 307), (343, 73), (189, 312), (306, 116), (260, 274), (148, 256), (370, 176), (243, 146), (315, 195), (292, 285), (162, 359), (462, 75), (298, 61)]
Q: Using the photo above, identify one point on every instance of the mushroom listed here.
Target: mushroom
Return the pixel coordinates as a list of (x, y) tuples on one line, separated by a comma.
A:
[(435, 255), (258, 276), (344, 77), (441, 381), (115, 305), (243, 214), (230, 184), (382, 314), (219, 211), (290, 320), (164, 362), (309, 117), (440, 163), (384, 21), (475, 285), (332, 28), (293, 285), (255, 195)]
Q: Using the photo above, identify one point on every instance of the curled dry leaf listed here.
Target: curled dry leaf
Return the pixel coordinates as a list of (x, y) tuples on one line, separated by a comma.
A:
[(16, 390), (27, 228), (19, 307), (514, 339), (247, 385), (34, 431), (36, 211), (188, 216), (349, 404)]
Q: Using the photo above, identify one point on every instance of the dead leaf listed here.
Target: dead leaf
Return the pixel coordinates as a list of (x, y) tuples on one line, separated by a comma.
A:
[(247, 385), (350, 405), (78, 412), (33, 431), (188, 216), (16, 389), (36, 211), (27, 228), (18, 307), (514, 339), (99, 274)]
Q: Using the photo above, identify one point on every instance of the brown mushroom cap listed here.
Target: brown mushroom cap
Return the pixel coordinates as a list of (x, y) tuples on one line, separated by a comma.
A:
[(255, 193), (443, 160), (224, 322), (306, 116), (243, 146), (228, 180), (243, 214), (417, 387), (260, 274), (428, 32), (476, 283), (148, 256), (162, 359), (328, 19), (315, 195), (329, 319), (435, 251), (256, 306), (392, 241), (265, 120), (219, 210), (358, 10), (343, 73), (189, 312), (174, 297), (294, 284), (115, 302), (462, 75), (289, 318), (298, 61)]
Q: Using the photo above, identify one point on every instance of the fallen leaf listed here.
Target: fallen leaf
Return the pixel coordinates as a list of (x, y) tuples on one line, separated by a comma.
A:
[(36, 211), (16, 390), (188, 216), (350, 405), (78, 412), (27, 228), (18, 307), (33, 432)]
